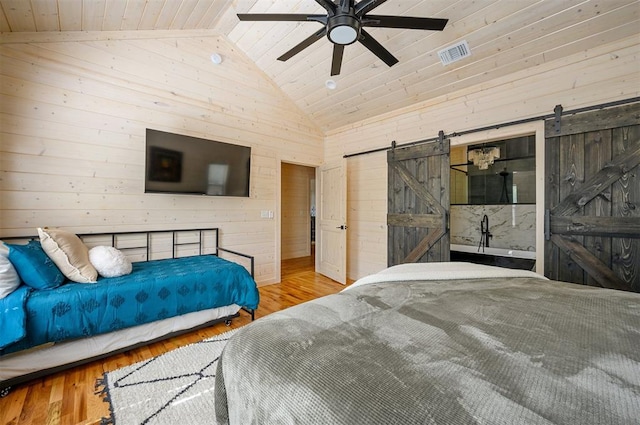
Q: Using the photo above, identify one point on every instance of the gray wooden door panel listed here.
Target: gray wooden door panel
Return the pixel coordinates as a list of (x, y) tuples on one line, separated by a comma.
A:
[(598, 146), (592, 197), (418, 208), (625, 200)]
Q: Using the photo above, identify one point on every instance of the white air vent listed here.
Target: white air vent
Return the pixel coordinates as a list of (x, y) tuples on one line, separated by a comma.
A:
[(454, 53)]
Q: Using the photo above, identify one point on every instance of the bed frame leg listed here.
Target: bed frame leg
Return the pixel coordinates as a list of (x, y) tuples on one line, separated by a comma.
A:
[(251, 311)]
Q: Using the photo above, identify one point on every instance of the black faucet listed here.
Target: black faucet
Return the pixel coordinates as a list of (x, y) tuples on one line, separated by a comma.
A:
[(485, 234)]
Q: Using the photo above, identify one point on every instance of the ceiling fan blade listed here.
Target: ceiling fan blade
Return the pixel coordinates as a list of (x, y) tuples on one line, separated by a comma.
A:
[(328, 5), (408, 22), (304, 44), (336, 62), (376, 48), (345, 5), (278, 17), (366, 6)]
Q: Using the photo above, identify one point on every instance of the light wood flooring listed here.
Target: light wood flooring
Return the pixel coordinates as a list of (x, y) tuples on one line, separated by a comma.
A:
[(69, 397)]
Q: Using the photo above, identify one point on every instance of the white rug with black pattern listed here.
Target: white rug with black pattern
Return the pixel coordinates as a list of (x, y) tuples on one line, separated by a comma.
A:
[(176, 387)]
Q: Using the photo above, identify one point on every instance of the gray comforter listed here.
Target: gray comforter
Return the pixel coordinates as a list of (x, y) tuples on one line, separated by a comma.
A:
[(483, 351)]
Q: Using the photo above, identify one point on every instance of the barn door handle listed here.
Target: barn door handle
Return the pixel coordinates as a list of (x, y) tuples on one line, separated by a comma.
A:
[(343, 227), (547, 224)]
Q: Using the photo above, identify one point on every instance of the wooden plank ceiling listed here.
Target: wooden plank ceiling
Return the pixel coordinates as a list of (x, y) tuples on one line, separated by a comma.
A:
[(505, 36)]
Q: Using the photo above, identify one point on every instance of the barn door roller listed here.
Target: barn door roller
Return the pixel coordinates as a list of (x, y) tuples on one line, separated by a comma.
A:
[(558, 118)]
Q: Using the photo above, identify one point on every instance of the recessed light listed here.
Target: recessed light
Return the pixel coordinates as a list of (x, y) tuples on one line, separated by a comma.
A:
[(216, 58), (330, 84)]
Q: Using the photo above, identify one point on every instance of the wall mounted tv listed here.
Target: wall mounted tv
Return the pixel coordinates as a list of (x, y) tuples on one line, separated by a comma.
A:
[(189, 165)]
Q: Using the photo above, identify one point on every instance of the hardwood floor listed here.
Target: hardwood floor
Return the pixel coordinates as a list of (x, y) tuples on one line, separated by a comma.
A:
[(69, 397)]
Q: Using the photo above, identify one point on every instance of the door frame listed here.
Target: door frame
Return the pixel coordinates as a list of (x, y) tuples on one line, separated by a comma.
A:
[(525, 129)]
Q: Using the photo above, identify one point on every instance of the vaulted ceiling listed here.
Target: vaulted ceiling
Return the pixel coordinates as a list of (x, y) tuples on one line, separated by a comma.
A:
[(504, 36)]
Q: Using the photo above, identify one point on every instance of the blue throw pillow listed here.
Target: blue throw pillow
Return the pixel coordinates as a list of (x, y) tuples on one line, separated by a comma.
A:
[(34, 266)]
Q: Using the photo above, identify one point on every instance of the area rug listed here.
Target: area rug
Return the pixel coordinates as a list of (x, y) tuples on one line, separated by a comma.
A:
[(176, 387)]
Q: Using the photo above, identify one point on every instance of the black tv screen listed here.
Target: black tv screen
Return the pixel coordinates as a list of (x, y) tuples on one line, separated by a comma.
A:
[(177, 163)]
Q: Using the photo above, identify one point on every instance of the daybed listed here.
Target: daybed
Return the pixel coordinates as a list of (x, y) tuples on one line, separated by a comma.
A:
[(178, 283), (439, 343)]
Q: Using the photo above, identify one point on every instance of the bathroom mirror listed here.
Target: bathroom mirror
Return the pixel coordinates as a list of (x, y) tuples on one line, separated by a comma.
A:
[(495, 173)]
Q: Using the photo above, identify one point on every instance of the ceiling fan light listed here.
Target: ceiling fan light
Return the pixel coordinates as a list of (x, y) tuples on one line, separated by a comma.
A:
[(343, 29), (343, 34)]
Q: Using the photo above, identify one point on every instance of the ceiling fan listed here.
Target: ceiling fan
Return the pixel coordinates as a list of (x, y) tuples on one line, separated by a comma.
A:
[(344, 24)]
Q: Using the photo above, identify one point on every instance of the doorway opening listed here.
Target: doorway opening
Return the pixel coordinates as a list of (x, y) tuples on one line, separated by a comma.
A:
[(493, 202), (298, 206)]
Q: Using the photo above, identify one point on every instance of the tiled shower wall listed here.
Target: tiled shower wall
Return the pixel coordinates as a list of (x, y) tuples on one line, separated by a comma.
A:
[(512, 226)]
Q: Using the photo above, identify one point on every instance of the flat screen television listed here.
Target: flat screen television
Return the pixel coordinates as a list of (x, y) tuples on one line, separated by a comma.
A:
[(181, 164)]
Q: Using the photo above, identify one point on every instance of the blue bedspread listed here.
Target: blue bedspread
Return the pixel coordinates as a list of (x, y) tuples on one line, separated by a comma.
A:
[(13, 317), (154, 290)]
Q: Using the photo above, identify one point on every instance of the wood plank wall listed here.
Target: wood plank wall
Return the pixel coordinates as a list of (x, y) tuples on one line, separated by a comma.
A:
[(603, 74), (73, 112), (74, 107)]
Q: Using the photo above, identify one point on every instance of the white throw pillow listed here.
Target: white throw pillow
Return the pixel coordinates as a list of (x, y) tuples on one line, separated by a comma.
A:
[(109, 262), (9, 279)]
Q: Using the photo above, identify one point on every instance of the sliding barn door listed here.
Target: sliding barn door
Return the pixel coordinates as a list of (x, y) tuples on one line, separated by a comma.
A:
[(592, 203), (418, 205)]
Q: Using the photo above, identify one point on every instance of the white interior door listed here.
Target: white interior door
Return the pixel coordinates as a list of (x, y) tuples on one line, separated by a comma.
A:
[(331, 230)]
